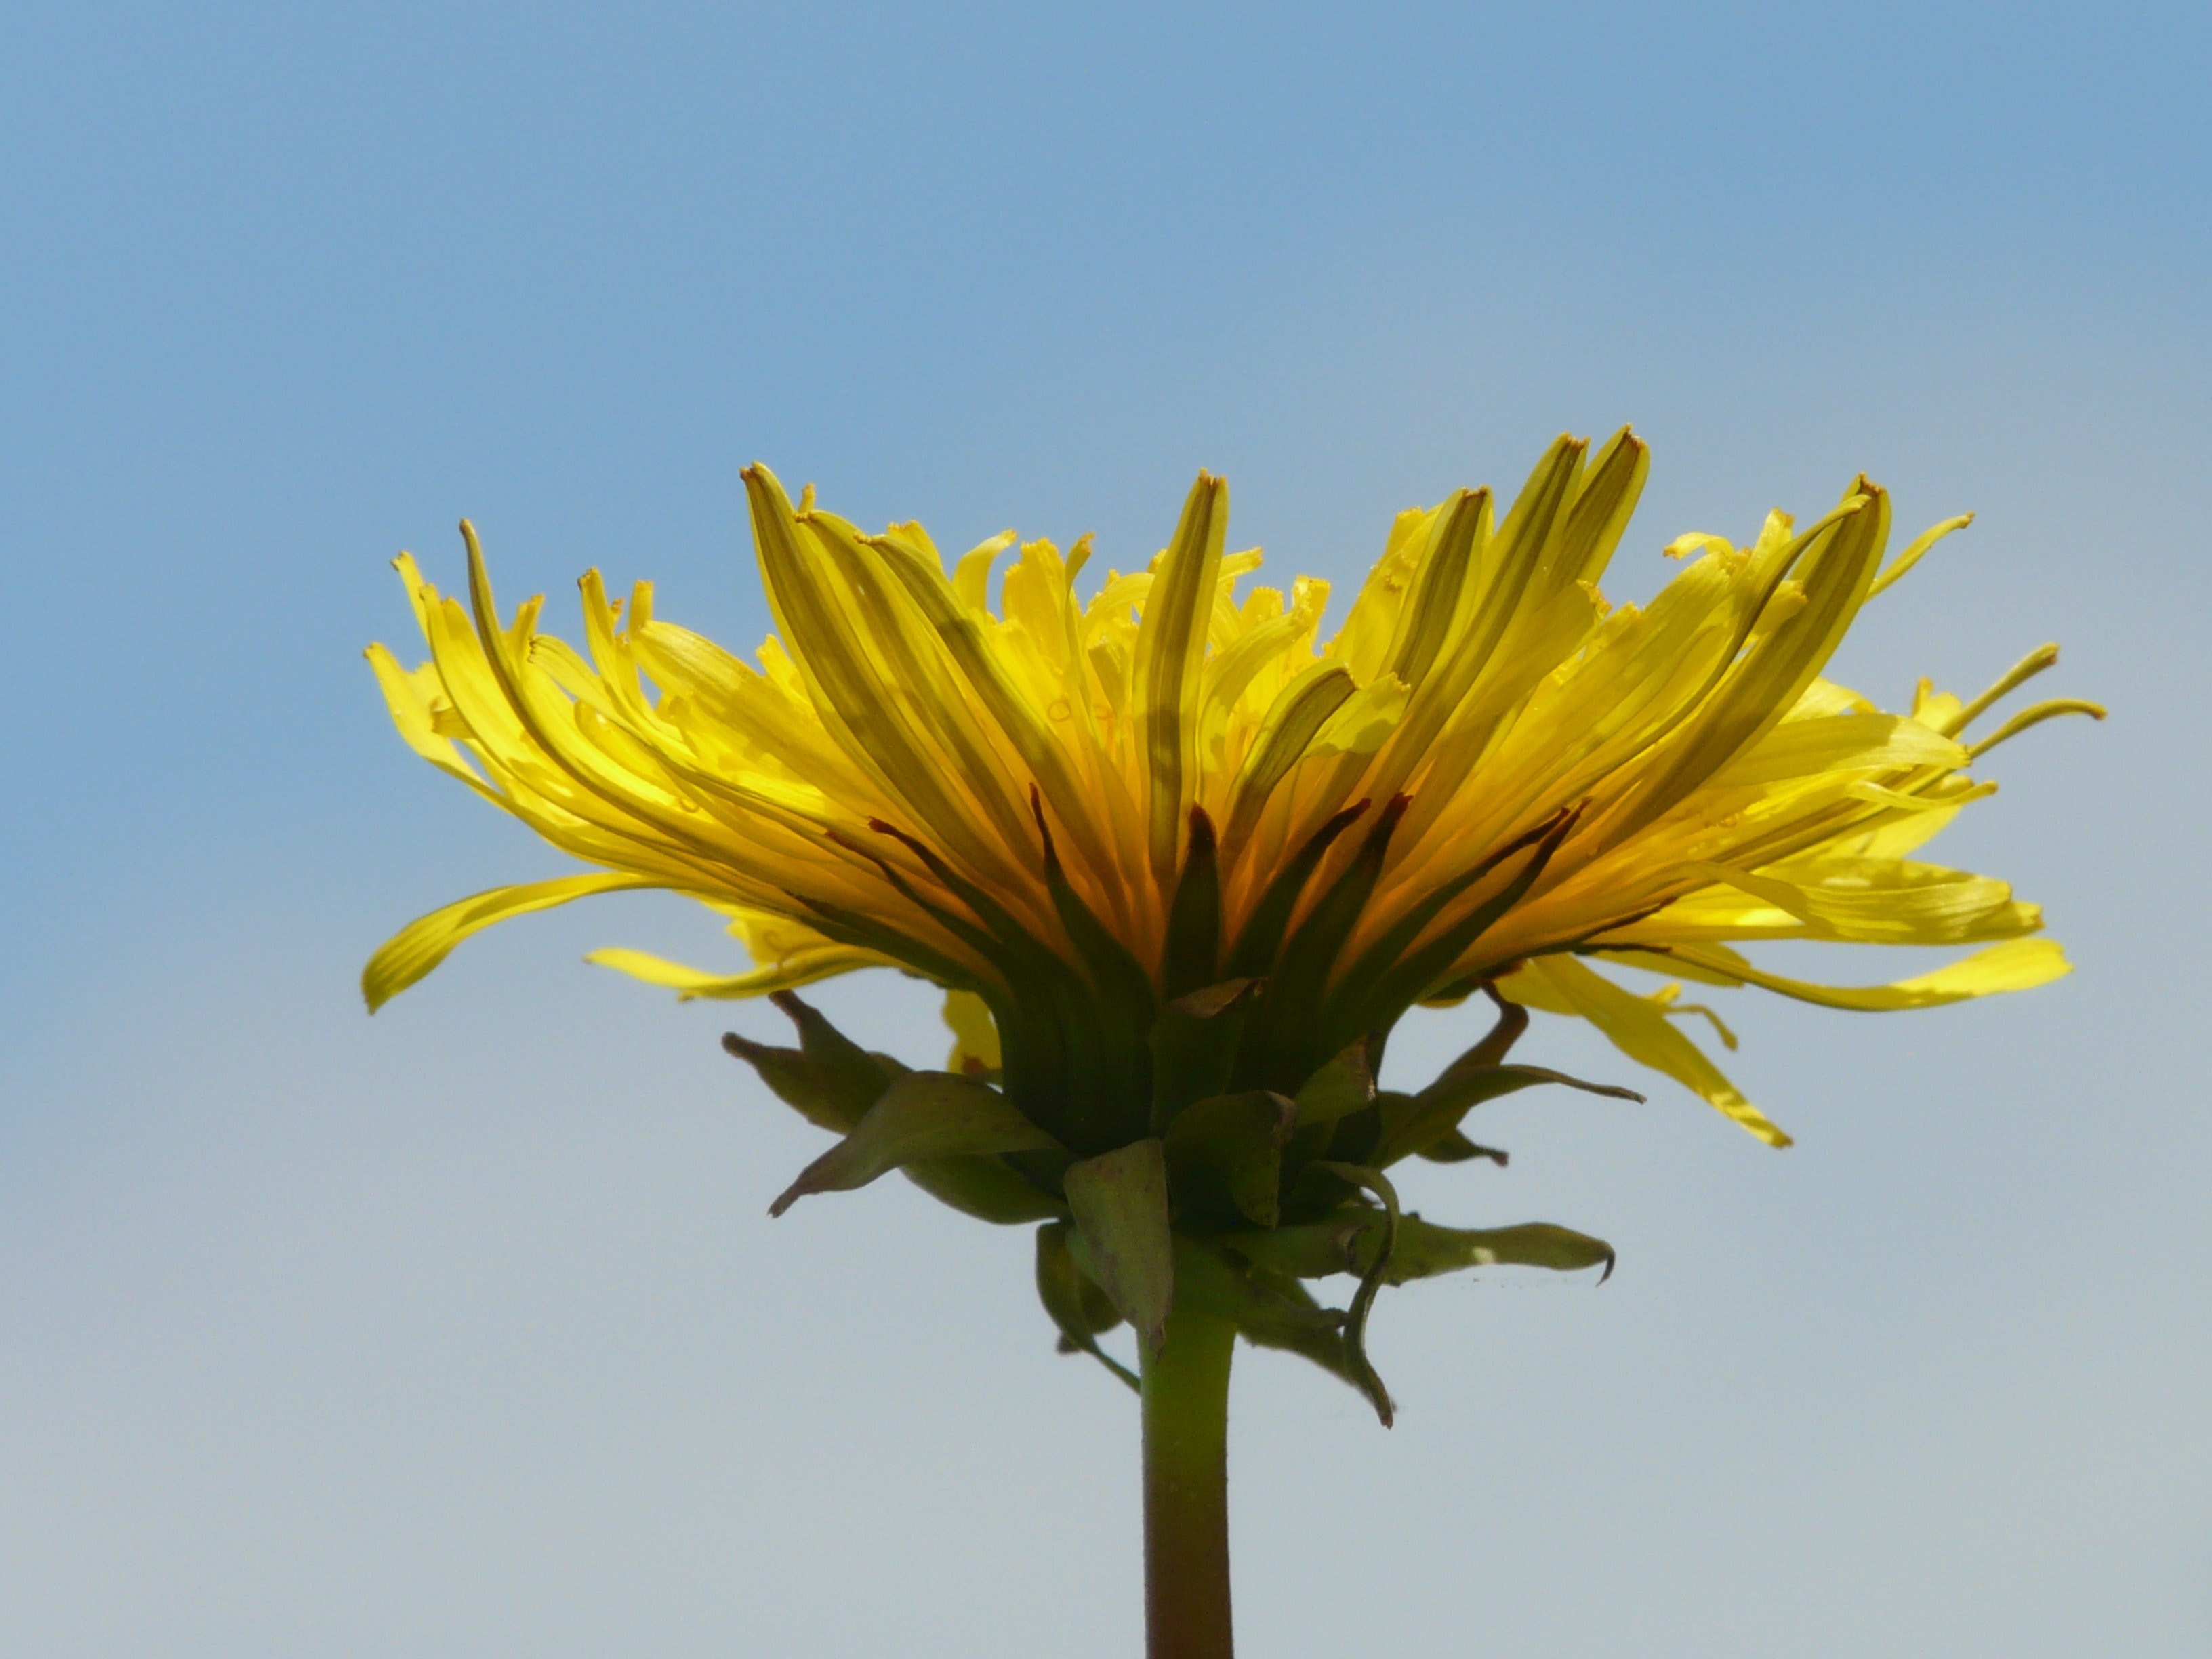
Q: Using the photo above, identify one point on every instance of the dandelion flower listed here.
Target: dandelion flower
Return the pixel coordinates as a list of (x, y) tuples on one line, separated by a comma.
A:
[(1181, 867)]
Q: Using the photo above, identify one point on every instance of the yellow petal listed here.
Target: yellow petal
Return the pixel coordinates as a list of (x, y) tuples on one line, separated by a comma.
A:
[(1837, 554), (2016, 965), (1918, 546), (1362, 645), (787, 974), (1368, 717), (1432, 611), (1170, 659), (1639, 1027), (2035, 715), (971, 577), (1876, 902), (1299, 714), (416, 722), (974, 1034), (2035, 662), (421, 945), (1838, 743)]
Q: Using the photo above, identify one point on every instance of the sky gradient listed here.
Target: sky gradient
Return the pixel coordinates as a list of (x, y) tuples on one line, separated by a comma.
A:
[(462, 1331)]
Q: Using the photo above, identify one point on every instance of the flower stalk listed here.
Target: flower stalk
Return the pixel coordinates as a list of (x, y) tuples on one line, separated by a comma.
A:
[(1186, 1413)]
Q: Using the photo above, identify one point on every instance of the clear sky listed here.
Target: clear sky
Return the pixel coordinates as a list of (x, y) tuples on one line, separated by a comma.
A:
[(462, 1331)]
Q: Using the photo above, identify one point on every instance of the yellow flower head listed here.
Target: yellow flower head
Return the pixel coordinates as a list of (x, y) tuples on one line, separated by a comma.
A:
[(1181, 867), (1075, 813)]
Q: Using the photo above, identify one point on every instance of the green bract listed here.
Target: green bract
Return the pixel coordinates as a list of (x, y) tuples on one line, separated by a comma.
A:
[(1221, 1211)]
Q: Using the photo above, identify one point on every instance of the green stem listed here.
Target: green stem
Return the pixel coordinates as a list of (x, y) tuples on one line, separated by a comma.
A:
[(1186, 1386)]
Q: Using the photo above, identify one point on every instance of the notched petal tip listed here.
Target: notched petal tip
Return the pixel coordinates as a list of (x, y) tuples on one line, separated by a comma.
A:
[(764, 492)]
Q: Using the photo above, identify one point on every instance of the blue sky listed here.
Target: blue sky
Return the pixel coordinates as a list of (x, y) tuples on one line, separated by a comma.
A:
[(462, 1331)]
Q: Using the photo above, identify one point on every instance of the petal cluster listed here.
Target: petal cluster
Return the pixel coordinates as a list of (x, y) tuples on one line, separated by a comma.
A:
[(1074, 812)]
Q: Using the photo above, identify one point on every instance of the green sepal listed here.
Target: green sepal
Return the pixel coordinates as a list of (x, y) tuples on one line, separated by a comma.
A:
[(1347, 1242), (829, 1080), (1077, 1305), (923, 1116), (1193, 1043), (1345, 1085), (1123, 1003), (1310, 1190), (1123, 1240), (1454, 1147), (1281, 1042), (1210, 1280), (1430, 1115), (1457, 1148), (1335, 1104), (1498, 1042), (1405, 984), (1224, 1280), (832, 1082), (984, 1187), (1425, 1250), (1300, 1333), (1232, 1147), (1262, 936), (1025, 1005), (1383, 979), (1053, 1045), (1384, 1248), (1193, 953), (849, 927), (1308, 1249)]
